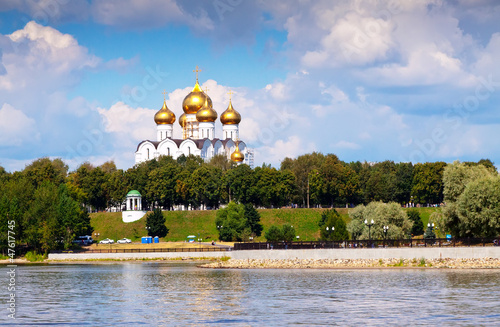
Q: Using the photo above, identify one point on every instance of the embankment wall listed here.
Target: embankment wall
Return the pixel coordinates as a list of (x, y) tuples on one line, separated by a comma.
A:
[(378, 253)]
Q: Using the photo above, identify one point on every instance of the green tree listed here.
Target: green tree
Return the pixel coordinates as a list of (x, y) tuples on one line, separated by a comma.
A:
[(253, 219), (116, 188), (205, 185), (41, 227), (68, 214), (301, 168), (239, 184), (274, 234), (337, 229), (234, 224), (418, 226), (161, 185), (383, 214), (453, 218), (478, 208), (428, 182), (288, 233), (155, 223), (46, 170), (275, 188)]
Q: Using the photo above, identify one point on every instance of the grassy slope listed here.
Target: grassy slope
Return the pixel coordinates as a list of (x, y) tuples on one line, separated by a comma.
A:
[(184, 223)]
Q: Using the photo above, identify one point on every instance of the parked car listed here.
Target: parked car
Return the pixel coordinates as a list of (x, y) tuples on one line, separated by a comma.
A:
[(123, 241), (106, 241), (84, 240)]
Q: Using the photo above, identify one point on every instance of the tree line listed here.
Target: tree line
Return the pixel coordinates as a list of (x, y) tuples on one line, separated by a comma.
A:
[(50, 204)]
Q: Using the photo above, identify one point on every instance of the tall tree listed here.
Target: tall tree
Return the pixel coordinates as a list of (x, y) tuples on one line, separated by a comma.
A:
[(417, 224), (155, 223), (234, 224), (301, 168), (337, 229), (205, 183), (253, 219), (383, 214), (428, 182)]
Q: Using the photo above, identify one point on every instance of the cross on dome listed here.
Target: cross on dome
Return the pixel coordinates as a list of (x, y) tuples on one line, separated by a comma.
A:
[(197, 70), (164, 95)]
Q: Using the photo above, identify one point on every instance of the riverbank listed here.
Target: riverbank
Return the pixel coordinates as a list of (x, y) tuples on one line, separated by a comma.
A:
[(478, 263)]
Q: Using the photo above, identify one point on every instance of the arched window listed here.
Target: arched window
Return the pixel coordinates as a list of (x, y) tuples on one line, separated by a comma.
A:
[(148, 153), (168, 151), (189, 151)]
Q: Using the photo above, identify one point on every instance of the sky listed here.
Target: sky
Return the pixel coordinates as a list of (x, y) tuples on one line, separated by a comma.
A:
[(408, 81)]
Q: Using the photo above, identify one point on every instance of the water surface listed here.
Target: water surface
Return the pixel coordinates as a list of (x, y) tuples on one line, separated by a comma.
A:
[(180, 294)]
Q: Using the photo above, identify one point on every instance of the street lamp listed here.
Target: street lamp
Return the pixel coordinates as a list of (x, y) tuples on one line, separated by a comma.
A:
[(369, 229), (329, 232), (96, 235), (386, 229)]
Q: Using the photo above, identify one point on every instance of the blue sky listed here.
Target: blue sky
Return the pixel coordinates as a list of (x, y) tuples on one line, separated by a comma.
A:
[(367, 80)]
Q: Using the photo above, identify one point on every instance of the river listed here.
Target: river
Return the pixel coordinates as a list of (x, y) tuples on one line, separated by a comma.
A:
[(180, 294)]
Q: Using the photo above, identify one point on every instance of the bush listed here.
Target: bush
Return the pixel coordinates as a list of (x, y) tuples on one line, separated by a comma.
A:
[(274, 234), (34, 257), (288, 233)]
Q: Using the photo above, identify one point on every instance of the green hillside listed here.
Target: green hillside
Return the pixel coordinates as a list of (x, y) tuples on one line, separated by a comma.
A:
[(202, 223)]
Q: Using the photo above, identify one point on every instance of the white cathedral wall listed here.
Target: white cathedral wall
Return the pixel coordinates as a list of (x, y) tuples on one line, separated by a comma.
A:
[(206, 130), (230, 132), (163, 131), (145, 152), (168, 148)]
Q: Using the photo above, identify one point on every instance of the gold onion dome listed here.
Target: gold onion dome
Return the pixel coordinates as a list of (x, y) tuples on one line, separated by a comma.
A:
[(237, 155), (194, 101), (164, 115), (230, 116), (206, 113), (182, 120)]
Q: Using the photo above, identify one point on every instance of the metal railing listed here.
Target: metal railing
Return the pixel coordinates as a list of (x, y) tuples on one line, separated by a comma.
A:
[(359, 244), (144, 250)]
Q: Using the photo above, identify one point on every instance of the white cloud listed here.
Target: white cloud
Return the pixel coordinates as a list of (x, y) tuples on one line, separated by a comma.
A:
[(292, 147), (346, 145), (39, 57), (16, 128), (353, 39), (129, 124)]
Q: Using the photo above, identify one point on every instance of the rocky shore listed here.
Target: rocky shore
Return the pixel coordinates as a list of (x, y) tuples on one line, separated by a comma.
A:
[(483, 263)]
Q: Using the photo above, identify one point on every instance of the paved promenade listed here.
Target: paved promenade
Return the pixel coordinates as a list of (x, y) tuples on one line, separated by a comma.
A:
[(378, 253)]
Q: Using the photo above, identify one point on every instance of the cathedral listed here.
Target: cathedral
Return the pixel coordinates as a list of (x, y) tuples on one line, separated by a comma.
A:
[(198, 132)]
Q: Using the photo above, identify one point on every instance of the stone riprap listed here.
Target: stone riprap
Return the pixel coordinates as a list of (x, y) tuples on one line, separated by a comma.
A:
[(484, 263)]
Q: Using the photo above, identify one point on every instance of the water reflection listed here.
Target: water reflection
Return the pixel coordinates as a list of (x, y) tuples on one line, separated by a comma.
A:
[(176, 294)]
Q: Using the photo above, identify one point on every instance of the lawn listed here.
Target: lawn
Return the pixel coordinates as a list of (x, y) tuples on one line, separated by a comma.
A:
[(201, 224)]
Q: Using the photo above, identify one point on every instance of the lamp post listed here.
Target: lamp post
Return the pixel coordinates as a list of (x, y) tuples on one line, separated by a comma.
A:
[(219, 228), (96, 235), (386, 229), (369, 229), (329, 232)]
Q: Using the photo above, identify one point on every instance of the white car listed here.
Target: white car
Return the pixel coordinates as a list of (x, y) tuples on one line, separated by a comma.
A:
[(123, 241), (106, 241)]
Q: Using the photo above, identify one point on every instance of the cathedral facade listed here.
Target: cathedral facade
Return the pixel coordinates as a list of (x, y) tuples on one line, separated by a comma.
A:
[(198, 132)]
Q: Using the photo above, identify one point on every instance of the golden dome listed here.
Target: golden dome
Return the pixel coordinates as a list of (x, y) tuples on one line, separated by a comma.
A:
[(230, 116), (207, 112), (237, 155), (194, 101), (182, 120), (164, 115)]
